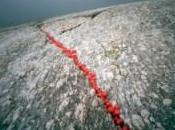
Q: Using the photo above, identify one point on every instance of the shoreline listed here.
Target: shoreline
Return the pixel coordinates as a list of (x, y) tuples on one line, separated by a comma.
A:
[(84, 13)]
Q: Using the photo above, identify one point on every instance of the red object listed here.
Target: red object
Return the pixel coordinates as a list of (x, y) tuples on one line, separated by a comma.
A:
[(104, 95), (119, 121), (114, 110), (110, 109), (108, 104), (125, 127)]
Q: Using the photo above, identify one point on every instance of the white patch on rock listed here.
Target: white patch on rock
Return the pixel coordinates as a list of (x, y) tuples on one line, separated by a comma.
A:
[(152, 119), (63, 104), (92, 92), (153, 106), (167, 102), (49, 124), (118, 77), (110, 75), (135, 58), (71, 127), (137, 121), (59, 84), (16, 114), (145, 113), (159, 125), (94, 103), (68, 114), (80, 112), (154, 95)]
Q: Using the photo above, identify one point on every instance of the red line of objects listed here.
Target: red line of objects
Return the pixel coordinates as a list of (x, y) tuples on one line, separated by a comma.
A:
[(113, 109)]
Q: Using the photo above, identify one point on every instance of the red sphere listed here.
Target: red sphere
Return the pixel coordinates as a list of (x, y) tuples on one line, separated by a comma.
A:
[(110, 109)]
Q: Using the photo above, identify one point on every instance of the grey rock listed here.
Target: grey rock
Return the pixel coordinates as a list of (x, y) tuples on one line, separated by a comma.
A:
[(138, 121), (131, 47)]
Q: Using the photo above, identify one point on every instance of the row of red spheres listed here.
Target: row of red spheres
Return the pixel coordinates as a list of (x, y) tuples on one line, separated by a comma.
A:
[(114, 110)]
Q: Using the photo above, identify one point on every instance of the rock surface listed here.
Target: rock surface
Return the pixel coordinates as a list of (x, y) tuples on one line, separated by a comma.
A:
[(132, 49)]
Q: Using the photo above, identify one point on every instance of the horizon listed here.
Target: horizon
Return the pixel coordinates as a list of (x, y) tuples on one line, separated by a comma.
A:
[(14, 13)]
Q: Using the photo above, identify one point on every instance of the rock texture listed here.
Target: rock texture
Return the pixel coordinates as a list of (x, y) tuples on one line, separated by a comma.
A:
[(132, 49)]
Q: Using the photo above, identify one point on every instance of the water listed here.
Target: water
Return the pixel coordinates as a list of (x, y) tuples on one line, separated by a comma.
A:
[(15, 12)]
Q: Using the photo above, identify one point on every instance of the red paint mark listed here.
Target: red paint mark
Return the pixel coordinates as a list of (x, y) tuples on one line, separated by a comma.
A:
[(113, 109)]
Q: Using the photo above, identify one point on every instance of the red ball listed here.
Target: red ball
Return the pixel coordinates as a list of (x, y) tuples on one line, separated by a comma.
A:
[(86, 71), (104, 94), (76, 61), (110, 109), (119, 121), (116, 112), (74, 51), (93, 83), (92, 76), (108, 104)]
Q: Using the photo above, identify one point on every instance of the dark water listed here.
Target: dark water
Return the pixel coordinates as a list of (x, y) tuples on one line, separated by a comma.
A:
[(14, 12)]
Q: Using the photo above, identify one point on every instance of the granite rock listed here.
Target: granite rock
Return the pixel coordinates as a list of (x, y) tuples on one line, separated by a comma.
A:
[(131, 47)]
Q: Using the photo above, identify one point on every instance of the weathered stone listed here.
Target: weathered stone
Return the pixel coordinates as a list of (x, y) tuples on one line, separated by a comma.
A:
[(130, 47)]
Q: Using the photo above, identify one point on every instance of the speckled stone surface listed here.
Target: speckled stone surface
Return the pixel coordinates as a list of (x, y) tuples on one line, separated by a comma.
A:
[(131, 47)]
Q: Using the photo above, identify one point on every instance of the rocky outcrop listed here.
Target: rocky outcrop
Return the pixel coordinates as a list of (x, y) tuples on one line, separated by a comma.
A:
[(131, 47)]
